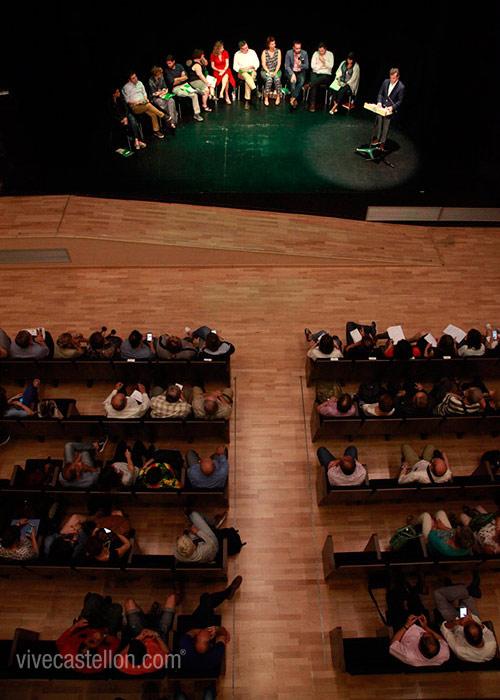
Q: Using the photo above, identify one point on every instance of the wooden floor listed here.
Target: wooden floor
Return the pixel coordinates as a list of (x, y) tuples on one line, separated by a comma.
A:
[(284, 610)]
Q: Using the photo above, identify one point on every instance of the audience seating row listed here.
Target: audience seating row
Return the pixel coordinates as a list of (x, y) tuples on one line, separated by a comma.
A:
[(367, 656), (161, 372), (481, 483), (398, 427), (415, 554), (420, 369)]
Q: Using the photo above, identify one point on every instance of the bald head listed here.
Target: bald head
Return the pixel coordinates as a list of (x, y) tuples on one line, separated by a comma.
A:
[(347, 465), (202, 641), (119, 401), (438, 466), (210, 406), (207, 466)]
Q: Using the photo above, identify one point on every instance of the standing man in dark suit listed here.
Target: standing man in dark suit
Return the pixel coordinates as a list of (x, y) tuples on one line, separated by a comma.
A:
[(390, 95)]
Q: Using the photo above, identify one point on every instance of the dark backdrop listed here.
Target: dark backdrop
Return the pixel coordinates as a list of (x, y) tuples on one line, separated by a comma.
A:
[(62, 58)]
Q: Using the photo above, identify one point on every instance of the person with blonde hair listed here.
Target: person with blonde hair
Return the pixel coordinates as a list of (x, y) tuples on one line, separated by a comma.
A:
[(69, 346), (158, 93), (199, 543), (219, 60)]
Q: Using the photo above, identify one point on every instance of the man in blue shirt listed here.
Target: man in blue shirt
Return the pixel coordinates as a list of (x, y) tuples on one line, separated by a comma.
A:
[(209, 472), (296, 65)]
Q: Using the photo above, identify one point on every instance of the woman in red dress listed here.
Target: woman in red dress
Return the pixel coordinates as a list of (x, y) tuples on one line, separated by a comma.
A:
[(219, 60)]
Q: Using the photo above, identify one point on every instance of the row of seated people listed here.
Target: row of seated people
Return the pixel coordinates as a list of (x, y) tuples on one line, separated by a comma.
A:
[(457, 627), (137, 468), (407, 399), (363, 342), (37, 344), (101, 538), (132, 401), (98, 640)]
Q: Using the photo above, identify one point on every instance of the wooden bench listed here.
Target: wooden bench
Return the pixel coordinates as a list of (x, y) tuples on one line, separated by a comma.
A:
[(420, 369), (415, 554), (479, 484), (398, 427), (160, 372), (368, 656)]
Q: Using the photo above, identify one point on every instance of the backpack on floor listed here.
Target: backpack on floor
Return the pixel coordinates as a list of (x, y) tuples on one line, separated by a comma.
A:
[(234, 543)]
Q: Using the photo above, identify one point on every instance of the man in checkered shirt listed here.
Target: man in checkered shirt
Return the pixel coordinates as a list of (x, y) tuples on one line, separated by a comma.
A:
[(169, 403)]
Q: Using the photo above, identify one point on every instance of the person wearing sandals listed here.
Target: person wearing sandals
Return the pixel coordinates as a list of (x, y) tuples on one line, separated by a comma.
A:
[(197, 78), (346, 82), (157, 92), (270, 73), (325, 345), (219, 60)]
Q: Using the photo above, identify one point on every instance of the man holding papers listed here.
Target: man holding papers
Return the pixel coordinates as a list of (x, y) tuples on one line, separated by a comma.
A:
[(390, 96)]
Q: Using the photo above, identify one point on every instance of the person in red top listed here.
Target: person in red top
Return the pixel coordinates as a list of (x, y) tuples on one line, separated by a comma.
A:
[(90, 644), (147, 651), (403, 350), (219, 60)]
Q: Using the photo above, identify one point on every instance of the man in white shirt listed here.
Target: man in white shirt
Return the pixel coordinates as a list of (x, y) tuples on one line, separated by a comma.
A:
[(431, 468), (346, 471), (245, 63), (119, 405), (321, 67), (137, 99), (467, 637)]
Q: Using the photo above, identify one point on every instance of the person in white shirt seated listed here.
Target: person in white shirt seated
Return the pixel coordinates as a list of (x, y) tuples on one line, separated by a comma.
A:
[(245, 64), (119, 405), (321, 67), (472, 345), (431, 468), (382, 409), (463, 630), (346, 471), (136, 97), (325, 346)]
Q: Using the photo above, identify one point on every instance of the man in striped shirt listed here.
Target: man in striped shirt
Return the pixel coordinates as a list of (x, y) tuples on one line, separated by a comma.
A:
[(471, 402)]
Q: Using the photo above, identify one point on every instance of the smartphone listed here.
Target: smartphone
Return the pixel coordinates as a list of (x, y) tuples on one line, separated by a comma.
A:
[(494, 334), (462, 611), (149, 337), (107, 530)]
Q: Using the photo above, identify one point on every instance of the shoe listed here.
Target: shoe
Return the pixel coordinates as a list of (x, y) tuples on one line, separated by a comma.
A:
[(142, 144), (155, 608), (158, 134), (233, 586), (266, 101), (198, 117), (312, 108), (278, 100), (375, 142), (187, 330), (488, 326), (228, 101), (373, 328), (473, 588), (207, 109), (247, 105), (308, 334), (101, 444), (137, 147), (382, 146), (220, 519), (4, 439)]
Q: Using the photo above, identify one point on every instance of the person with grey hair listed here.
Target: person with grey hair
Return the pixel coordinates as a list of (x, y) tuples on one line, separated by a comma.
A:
[(431, 468), (199, 543), (390, 96), (470, 402), (170, 402), (444, 540)]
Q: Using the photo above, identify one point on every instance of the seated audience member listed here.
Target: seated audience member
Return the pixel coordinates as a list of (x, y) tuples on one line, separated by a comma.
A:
[(103, 347), (123, 118), (169, 403), (414, 642), (452, 403), (321, 67), (126, 465), (79, 471), (345, 471), (431, 468), (219, 61), (202, 648), (271, 73), (89, 645), (467, 637), (346, 82), (177, 81), (197, 78), (382, 409), (67, 543), (148, 649), (365, 347), (413, 401), (171, 347), (105, 546), (136, 347), (69, 346), (135, 94), (296, 67), (326, 345), (15, 547), (21, 405), (486, 527), (212, 405), (446, 347), (472, 345), (161, 471), (402, 350), (31, 347), (158, 93), (492, 344), (210, 343), (443, 539), (119, 405), (337, 407), (199, 544), (245, 64), (4, 344), (208, 472)]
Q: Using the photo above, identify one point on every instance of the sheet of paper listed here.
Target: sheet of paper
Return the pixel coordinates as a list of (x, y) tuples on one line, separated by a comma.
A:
[(136, 395), (455, 332), (396, 333), (356, 335), (430, 339)]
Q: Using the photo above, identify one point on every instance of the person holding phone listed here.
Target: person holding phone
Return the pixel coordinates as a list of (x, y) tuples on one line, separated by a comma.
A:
[(32, 344), (22, 405), (15, 547), (137, 346)]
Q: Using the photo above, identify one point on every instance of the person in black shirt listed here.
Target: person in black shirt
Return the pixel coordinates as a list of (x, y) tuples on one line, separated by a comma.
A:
[(123, 119)]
